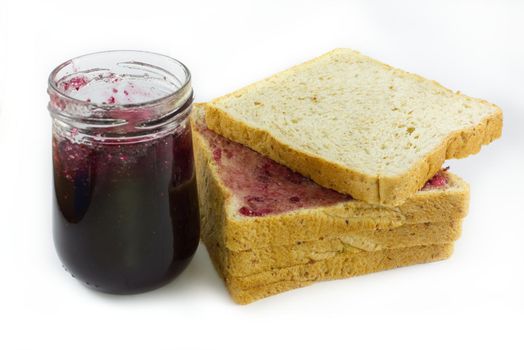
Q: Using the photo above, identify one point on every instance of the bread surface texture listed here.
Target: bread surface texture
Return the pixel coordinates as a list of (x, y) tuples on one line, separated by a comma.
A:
[(356, 125)]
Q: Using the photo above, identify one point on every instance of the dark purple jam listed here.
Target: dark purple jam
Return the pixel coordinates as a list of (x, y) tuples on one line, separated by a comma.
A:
[(125, 215)]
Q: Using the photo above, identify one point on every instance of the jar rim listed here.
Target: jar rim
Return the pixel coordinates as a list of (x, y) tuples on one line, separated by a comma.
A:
[(53, 82)]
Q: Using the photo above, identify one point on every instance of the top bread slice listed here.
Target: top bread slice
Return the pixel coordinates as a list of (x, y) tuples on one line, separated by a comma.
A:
[(356, 125), (231, 177)]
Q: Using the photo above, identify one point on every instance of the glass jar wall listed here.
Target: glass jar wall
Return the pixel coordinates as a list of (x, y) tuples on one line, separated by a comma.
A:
[(125, 203)]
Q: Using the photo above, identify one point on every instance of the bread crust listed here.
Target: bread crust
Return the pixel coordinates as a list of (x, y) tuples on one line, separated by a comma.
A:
[(393, 190), (249, 262), (248, 289), (465, 142)]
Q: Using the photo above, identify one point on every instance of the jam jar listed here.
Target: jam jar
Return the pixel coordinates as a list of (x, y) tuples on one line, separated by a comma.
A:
[(125, 206)]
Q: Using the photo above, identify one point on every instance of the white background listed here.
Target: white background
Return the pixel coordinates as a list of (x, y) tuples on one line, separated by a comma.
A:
[(473, 300)]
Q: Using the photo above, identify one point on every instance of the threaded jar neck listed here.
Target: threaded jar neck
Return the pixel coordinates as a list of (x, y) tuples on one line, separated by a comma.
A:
[(119, 96)]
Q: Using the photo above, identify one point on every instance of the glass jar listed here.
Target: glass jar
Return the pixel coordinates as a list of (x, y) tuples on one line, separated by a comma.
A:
[(125, 204)]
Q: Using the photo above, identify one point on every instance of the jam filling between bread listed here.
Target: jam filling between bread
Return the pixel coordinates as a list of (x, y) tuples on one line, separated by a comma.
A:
[(439, 180), (262, 187)]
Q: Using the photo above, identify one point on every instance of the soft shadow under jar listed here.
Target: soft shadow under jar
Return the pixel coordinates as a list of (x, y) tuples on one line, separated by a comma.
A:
[(125, 204)]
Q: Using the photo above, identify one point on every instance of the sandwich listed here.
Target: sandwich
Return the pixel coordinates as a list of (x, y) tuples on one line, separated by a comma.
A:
[(332, 169), (268, 229)]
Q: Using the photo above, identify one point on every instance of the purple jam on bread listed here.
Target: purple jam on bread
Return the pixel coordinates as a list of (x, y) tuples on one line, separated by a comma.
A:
[(439, 180), (261, 186)]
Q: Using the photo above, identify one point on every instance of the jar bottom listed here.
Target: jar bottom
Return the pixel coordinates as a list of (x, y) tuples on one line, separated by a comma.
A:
[(137, 246), (181, 266)]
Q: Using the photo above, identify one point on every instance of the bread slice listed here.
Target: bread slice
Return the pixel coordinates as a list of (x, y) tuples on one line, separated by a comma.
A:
[(228, 173), (247, 289), (356, 125), (249, 262)]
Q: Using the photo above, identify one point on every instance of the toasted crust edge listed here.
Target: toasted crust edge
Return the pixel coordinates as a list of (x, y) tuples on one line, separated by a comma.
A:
[(255, 287), (244, 263), (465, 142)]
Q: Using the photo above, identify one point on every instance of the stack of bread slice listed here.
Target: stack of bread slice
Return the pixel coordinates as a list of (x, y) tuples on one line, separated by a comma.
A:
[(332, 169)]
